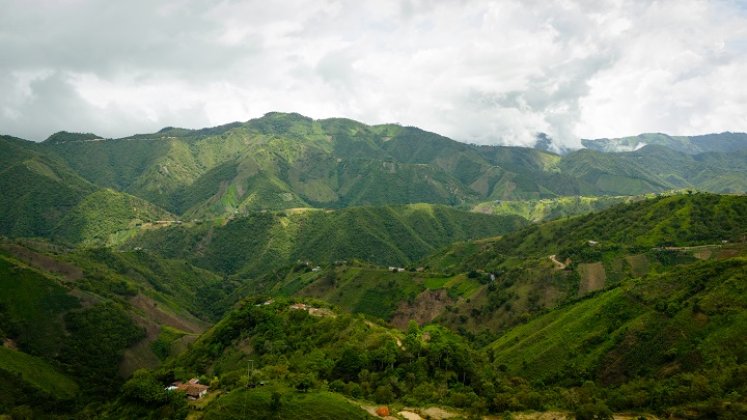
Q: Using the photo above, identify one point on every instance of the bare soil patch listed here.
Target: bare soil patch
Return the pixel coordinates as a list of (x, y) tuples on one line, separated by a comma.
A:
[(45, 263), (152, 318), (409, 415), (592, 277), (639, 264), (155, 313), (703, 254), (437, 413), (428, 305)]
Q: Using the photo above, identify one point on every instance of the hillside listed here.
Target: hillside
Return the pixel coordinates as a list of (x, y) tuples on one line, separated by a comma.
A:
[(692, 145), (638, 320), (37, 191), (43, 197), (283, 161), (260, 242), (551, 208), (663, 340), (75, 323), (482, 287), (666, 221), (660, 331)]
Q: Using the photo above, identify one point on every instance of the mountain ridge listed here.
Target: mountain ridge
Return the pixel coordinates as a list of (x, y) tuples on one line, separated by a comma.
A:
[(284, 161)]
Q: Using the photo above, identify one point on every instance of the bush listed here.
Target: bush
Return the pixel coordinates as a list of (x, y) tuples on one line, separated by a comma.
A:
[(593, 411)]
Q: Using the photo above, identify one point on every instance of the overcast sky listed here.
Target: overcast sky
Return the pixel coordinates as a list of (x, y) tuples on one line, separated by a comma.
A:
[(476, 71)]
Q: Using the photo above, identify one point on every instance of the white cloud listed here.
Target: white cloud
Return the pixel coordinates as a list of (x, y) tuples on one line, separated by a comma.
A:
[(478, 71)]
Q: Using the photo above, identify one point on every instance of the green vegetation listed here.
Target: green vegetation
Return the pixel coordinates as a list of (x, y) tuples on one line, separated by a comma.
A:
[(64, 137), (328, 288), (671, 221), (107, 217), (38, 374), (551, 208), (283, 161), (260, 242), (258, 404), (723, 142), (85, 317)]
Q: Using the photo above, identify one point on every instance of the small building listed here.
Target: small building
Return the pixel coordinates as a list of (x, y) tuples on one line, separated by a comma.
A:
[(192, 388), (300, 306), (593, 243)]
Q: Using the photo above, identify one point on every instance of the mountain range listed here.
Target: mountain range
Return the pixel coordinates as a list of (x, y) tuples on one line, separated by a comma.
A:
[(323, 268), (285, 161)]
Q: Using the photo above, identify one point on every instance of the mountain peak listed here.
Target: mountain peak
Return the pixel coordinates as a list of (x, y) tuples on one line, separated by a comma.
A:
[(67, 137)]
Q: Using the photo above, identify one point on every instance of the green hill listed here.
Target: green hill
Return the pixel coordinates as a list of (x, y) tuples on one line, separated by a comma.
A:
[(257, 243), (667, 221), (283, 161), (37, 373), (551, 208), (722, 142), (106, 217), (92, 317), (673, 339), (37, 191), (64, 137), (43, 197)]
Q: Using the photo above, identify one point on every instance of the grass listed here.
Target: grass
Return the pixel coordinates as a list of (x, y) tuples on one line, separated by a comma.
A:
[(433, 283), (162, 346), (32, 305), (539, 348), (38, 373), (255, 404)]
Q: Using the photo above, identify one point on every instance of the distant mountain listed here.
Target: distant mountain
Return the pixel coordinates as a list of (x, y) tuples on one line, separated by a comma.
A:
[(723, 143), (43, 197), (64, 137), (283, 161)]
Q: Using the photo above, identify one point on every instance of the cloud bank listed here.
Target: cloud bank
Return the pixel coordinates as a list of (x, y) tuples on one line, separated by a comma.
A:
[(489, 72)]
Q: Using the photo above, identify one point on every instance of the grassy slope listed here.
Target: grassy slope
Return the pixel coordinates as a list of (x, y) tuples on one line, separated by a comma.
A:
[(262, 241), (106, 217), (366, 289), (631, 241), (679, 220), (36, 190), (663, 325), (42, 196), (93, 314), (551, 208), (242, 404), (38, 373), (284, 161)]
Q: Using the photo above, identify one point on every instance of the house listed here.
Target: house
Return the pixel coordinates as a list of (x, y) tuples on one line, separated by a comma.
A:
[(593, 243), (300, 306), (192, 388)]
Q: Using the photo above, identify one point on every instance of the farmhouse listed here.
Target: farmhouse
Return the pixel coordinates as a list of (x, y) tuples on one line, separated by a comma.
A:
[(193, 388)]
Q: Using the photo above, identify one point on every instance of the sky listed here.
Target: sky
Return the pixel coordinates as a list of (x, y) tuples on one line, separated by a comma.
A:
[(485, 72)]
